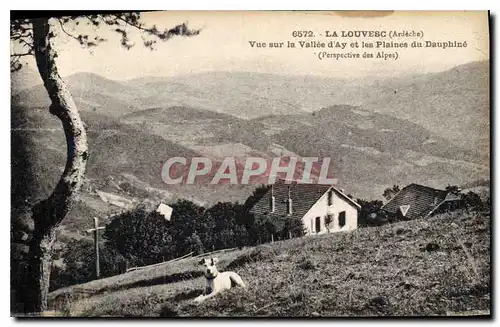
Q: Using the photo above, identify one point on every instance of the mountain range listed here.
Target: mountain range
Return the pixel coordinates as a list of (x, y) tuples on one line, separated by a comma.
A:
[(431, 129)]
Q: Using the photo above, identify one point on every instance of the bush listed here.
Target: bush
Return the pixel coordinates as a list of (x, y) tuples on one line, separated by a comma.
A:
[(143, 237), (193, 244), (233, 225), (370, 213), (79, 264), (140, 236)]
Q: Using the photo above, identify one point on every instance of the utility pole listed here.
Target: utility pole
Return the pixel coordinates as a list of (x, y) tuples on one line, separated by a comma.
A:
[(95, 230)]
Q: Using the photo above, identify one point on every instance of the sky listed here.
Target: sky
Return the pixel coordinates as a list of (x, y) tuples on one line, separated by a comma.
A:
[(223, 45)]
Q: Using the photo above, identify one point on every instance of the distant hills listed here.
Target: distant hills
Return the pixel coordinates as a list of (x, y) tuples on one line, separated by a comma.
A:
[(454, 104), (431, 129), (457, 99)]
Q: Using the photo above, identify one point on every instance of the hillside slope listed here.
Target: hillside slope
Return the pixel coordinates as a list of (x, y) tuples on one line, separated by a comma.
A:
[(438, 266), (135, 125), (120, 156), (453, 104), (369, 150)]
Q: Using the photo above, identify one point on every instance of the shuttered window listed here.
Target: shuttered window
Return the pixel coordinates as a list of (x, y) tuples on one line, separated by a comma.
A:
[(341, 219)]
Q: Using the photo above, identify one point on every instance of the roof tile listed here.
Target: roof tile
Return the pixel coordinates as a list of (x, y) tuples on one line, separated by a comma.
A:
[(303, 196), (421, 200)]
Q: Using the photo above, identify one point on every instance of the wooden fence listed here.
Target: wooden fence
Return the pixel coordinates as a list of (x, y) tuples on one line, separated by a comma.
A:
[(187, 256)]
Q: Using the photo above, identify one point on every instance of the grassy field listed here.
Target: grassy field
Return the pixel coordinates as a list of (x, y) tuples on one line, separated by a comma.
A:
[(437, 266)]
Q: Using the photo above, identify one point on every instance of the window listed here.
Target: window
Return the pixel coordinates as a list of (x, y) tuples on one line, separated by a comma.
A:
[(330, 197), (318, 224), (341, 219)]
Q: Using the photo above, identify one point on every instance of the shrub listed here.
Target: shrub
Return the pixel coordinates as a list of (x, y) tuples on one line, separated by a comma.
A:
[(79, 264), (140, 236)]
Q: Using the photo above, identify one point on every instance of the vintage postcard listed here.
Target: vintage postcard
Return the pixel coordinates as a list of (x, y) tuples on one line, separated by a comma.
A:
[(250, 164)]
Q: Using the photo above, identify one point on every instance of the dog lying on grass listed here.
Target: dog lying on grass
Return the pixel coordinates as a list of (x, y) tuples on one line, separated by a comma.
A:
[(217, 281)]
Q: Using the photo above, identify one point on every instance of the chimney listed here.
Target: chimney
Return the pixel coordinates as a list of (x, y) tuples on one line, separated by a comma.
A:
[(289, 210), (272, 200)]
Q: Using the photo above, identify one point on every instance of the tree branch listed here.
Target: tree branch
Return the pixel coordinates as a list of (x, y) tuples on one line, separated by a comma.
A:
[(17, 55), (64, 30), (128, 23), (25, 44), (178, 30), (15, 58)]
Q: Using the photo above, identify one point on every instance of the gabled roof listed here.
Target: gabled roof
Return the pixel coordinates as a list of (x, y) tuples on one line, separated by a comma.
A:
[(422, 200), (303, 196)]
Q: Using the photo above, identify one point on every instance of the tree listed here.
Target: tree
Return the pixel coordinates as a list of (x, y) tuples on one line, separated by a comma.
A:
[(453, 189), (194, 244), (188, 218), (230, 224), (267, 226), (257, 194), (294, 226), (35, 37), (142, 237), (390, 192), (79, 264), (370, 213), (474, 201)]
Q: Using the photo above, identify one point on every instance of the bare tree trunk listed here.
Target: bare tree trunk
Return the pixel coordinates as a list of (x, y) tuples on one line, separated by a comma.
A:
[(49, 213)]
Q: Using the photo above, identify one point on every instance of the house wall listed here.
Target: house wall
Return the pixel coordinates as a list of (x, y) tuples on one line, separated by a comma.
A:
[(321, 209)]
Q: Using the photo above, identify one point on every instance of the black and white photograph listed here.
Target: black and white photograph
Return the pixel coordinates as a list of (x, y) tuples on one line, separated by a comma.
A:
[(208, 164)]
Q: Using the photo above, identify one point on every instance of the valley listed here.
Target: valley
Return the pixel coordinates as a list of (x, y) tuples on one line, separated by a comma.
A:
[(376, 132)]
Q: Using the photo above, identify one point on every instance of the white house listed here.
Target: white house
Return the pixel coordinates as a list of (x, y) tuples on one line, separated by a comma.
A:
[(165, 210), (312, 203)]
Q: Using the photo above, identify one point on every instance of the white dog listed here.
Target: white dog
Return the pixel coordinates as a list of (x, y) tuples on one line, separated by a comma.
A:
[(217, 281)]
